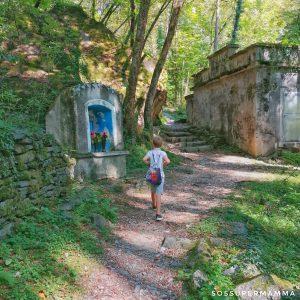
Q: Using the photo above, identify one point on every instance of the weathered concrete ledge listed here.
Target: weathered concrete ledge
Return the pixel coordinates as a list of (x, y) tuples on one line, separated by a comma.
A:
[(227, 60), (94, 166), (101, 154)]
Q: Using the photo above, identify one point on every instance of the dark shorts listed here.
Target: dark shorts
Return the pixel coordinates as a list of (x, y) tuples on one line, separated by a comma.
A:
[(158, 189)]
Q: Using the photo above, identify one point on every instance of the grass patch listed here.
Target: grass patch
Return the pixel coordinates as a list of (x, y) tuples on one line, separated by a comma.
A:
[(271, 213), (178, 115), (38, 256), (226, 148), (134, 161), (290, 157)]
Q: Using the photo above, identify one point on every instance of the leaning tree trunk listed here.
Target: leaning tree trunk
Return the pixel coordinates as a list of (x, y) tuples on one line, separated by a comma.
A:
[(177, 5), (37, 3), (130, 97), (238, 12), (93, 9), (217, 25)]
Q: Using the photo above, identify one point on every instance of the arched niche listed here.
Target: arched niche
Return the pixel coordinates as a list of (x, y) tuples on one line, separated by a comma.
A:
[(69, 122)]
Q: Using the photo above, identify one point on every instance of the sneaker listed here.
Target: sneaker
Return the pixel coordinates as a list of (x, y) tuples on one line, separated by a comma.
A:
[(158, 218)]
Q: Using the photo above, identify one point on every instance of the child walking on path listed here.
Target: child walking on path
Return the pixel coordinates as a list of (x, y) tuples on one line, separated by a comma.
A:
[(157, 157)]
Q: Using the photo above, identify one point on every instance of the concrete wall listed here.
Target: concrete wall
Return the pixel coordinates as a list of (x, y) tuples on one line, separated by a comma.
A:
[(239, 95)]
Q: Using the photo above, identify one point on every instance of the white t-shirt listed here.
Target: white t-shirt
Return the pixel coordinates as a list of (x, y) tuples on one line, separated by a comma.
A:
[(157, 156)]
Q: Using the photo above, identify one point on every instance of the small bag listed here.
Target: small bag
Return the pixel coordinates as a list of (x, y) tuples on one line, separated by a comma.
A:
[(153, 175)]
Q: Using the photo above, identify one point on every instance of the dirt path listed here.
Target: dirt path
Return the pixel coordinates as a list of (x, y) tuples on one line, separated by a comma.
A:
[(135, 265)]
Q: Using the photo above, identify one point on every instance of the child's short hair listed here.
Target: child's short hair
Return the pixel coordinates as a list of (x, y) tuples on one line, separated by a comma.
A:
[(157, 141)]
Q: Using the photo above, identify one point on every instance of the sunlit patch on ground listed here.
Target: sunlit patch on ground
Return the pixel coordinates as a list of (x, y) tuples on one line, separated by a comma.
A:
[(181, 217)]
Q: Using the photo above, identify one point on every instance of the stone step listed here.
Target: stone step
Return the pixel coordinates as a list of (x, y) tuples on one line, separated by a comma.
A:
[(180, 139), (176, 128), (202, 148), (178, 133), (191, 143), (196, 130)]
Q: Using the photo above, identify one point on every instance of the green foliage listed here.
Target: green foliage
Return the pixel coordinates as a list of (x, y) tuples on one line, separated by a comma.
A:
[(290, 157), (6, 138), (135, 158), (6, 278), (54, 33), (38, 251), (8, 100), (292, 28), (226, 148), (160, 38), (208, 226), (271, 212), (176, 160), (96, 204), (178, 115)]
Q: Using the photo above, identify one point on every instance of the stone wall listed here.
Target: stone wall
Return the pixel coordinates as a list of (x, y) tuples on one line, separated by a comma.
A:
[(37, 168), (239, 95)]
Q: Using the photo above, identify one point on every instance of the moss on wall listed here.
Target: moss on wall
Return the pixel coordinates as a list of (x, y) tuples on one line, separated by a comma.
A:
[(39, 170)]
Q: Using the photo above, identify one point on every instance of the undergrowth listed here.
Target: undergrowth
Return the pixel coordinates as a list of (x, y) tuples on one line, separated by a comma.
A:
[(38, 256), (290, 157), (177, 115), (271, 213)]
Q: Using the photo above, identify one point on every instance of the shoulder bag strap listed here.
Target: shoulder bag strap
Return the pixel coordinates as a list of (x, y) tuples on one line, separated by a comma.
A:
[(156, 163)]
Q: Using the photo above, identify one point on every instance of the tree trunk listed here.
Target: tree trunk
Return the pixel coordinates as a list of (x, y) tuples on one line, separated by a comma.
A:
[(158, 103), (187, 84), (132, 22), (130, 97), (182, 82), (93, 9), (37, 3), (177, 5), (217, 25), (238, 11)]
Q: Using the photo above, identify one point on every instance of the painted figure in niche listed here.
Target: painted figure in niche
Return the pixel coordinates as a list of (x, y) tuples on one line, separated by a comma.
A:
[(100, 135)]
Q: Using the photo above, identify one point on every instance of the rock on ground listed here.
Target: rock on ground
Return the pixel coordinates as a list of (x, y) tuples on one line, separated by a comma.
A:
[(263, 287), (6, 230), (178, 243), (199, 278)]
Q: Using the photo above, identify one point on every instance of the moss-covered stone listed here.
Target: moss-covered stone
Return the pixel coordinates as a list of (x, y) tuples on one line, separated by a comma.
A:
[(26, 175), (25, 158), (7, 192)]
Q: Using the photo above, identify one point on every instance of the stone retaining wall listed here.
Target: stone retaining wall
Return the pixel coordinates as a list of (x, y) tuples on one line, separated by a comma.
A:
[(37, 168)]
